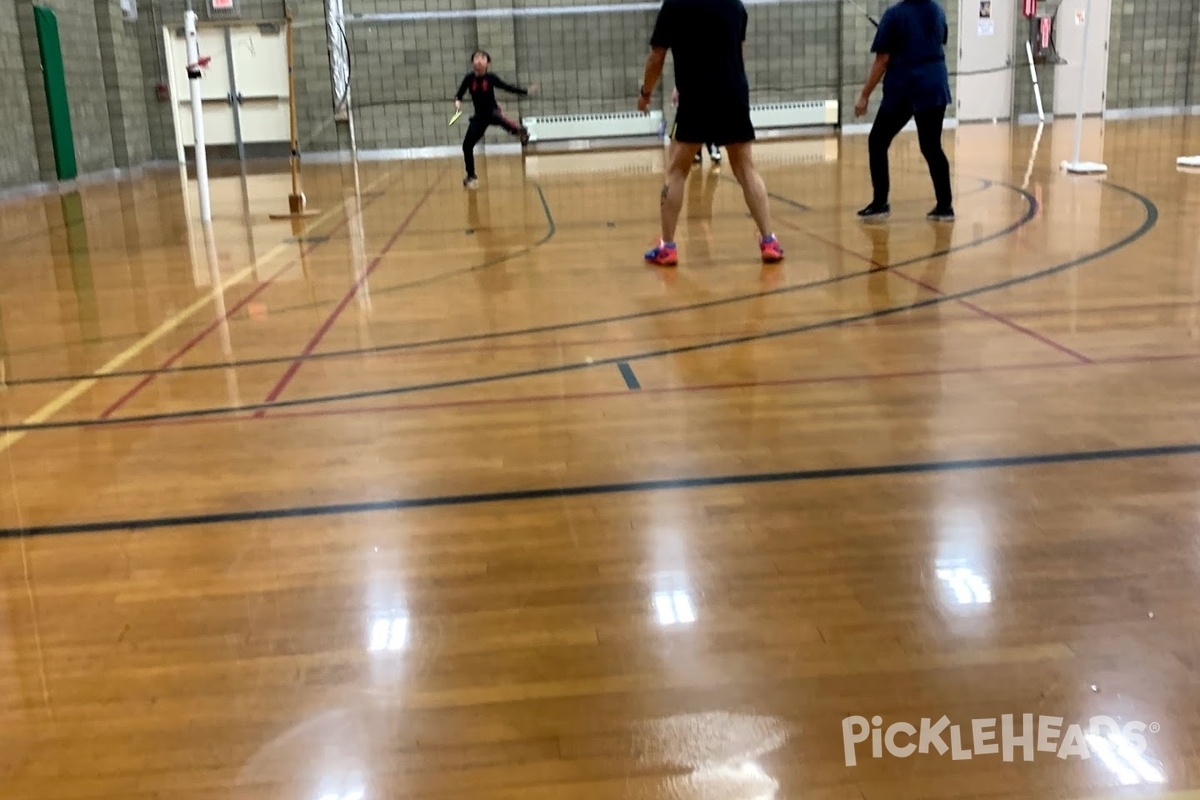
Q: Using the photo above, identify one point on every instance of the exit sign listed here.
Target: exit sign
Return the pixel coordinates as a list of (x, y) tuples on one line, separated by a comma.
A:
[(223, 7)]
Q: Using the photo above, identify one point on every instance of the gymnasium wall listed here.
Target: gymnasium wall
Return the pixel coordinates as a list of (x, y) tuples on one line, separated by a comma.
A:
[(18, 156), (85, 85), (1152, 59), (404, 75), (124, 85)]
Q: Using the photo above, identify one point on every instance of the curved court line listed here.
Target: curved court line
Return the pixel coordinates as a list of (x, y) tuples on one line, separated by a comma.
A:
[(551, 230), (985, 184), (1147, 224), (1031, 213), (587, 490), (1026, 218)]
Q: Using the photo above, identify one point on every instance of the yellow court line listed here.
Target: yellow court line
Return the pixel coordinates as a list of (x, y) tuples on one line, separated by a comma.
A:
[(81, 387)]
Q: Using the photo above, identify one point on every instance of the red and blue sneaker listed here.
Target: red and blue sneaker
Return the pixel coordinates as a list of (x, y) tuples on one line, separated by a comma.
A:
[(663, 255), (772, 250)]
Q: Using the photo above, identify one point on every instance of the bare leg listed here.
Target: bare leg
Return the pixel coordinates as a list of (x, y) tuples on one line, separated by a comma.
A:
[(753, 187), (679, 164)]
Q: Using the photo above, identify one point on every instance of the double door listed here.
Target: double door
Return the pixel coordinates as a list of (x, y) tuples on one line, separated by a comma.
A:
[(244, 91)]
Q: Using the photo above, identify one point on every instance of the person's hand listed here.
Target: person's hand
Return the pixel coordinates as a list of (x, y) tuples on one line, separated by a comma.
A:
[(643, 104), (533, 89), (458, 105), (860, 107)]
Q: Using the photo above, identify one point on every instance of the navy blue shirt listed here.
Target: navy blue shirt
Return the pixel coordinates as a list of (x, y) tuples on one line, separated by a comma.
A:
[(914, 34)]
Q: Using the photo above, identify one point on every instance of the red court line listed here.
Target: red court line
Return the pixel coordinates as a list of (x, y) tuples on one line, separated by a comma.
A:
[(965, 304), (219, 321), (297, 362), (710, 387), (1080, 357)]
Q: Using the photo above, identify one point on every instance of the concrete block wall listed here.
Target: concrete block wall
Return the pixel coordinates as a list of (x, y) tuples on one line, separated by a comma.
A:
[(1151, 53), (124, 86), (404, 76), (86, 88), (18, 152)]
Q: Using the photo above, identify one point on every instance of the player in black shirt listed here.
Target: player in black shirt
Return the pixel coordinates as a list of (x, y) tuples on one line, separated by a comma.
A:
[(482, 85), (706, 38)]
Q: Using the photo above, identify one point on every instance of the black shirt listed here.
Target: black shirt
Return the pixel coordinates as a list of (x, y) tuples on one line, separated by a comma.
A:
[(483, 90), (705, 38)]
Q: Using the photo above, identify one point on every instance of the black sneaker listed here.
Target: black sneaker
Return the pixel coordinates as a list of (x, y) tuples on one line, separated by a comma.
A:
[(471, 183), (875, 211), (699, 157), (940, 214), (715, 154)]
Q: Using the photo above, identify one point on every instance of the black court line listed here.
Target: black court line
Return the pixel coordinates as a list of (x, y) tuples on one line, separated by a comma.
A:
[(1027, 217), (1147, 225), (586, 490), (631, 380)]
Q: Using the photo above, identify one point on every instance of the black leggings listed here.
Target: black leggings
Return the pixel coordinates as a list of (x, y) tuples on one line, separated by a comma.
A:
[(476, 130), (889, 122)]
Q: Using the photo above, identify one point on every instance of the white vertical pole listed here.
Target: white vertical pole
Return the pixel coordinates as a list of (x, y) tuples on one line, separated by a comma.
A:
[(193, 67), (1087, 27), (1037, 89)]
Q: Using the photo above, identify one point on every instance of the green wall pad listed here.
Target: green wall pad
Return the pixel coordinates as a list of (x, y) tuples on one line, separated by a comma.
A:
[(55, 78)]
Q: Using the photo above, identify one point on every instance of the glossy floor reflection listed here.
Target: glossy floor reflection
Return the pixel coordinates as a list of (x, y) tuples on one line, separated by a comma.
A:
[(447, 495)]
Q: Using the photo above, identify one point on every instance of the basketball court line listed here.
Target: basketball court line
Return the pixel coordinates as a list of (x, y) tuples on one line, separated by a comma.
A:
[(1151, 219), (1035, 313), (82, 387), (964, 303), (688, 389), (331, 319), (1027, 217), (1071, 457), (150, 375), (551, 231)]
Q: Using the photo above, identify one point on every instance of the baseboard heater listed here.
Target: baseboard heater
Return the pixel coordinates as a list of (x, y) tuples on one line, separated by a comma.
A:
[(802, 114), (617, 125), (583, 128)]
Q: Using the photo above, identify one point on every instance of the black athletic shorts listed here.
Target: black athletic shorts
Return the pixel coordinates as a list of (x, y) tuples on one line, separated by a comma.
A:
[(721, 124)]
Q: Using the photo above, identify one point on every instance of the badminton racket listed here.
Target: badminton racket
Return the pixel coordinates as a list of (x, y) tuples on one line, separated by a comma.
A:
[(866, 13), (457, 114)]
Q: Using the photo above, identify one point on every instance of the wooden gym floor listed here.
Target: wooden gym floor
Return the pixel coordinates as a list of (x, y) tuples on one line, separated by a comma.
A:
[(453, 497)]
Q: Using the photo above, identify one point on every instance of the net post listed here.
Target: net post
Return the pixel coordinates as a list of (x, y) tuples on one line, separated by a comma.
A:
[(1033, 76), (297, 203), (1077, 167), (194, 66)]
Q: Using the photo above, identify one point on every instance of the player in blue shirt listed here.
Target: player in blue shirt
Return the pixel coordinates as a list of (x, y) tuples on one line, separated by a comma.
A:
[(910, 58)]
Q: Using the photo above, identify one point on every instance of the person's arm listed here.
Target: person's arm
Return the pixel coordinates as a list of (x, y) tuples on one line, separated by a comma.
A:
[(660, 43), (508, 87), (462, 89), (882, 48), (654, 68), (874, 76)]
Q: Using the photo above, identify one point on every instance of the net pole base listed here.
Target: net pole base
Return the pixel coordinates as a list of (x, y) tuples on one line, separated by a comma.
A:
[(1084, 167), (1188, 162), (297, 208)]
